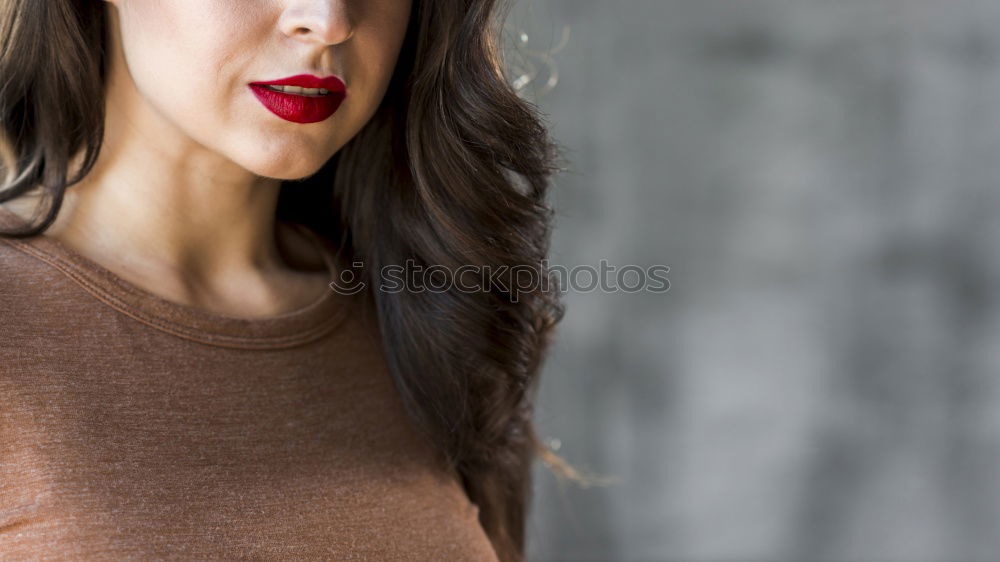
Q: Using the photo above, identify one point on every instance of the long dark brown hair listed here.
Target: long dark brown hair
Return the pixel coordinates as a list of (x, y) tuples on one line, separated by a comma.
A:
[(452, 170)]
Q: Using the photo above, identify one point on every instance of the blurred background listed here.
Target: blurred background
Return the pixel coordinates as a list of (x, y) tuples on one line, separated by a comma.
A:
[(820, 383)]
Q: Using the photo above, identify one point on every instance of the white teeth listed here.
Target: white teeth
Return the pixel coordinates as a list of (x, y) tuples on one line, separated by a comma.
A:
[(300, 90)]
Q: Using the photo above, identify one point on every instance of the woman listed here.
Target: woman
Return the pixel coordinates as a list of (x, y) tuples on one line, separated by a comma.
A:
[(184, 183)]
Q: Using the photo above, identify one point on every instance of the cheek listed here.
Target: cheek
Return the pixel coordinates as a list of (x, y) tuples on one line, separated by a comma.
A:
[(379, 43), (372, 57), (181, 52)]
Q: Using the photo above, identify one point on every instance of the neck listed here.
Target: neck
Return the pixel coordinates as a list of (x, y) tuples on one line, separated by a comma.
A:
[(168, 202)]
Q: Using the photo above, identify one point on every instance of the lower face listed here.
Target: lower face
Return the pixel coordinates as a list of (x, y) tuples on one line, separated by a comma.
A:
[(206, 70)]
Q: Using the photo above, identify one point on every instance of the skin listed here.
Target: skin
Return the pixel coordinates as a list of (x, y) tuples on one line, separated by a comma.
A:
[(182, 199)]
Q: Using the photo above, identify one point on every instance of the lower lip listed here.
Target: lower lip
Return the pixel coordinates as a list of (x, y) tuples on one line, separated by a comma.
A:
[(296, 108)]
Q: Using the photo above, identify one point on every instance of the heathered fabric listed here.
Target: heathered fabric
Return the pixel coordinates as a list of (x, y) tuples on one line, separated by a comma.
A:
[(136, 428)]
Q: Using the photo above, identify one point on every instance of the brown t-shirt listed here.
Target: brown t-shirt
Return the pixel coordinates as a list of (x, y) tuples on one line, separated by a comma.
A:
[(133, 427)]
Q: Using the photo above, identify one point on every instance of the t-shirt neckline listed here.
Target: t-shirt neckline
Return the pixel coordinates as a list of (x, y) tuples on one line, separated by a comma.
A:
[(290, 329)]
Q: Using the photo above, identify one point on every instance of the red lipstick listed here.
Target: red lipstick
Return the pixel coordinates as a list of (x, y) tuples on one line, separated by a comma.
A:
[(298, 106)]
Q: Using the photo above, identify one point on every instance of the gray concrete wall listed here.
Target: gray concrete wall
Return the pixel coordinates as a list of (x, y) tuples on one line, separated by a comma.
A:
[(821, 381)]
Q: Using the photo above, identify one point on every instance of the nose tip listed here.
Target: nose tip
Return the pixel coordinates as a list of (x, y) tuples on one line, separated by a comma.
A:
[(325, 22)]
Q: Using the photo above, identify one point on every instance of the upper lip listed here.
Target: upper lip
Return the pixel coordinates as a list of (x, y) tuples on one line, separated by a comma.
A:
[(331, 83)]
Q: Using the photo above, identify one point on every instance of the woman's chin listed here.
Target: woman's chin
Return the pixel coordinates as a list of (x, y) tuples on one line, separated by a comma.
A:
[(290, 168)]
